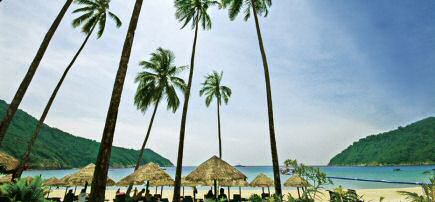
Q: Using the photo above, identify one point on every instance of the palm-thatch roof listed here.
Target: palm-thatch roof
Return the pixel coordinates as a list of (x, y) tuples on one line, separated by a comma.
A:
[(296, 181), (215, 169), (8, 162), (110, 182), (149, 172), (162, 182), (188, 183), (5, 179), (261, 181), (234, 183), (54, 182), (83, 176)]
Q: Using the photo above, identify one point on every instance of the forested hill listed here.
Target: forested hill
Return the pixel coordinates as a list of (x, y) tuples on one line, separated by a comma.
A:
[(57, 149), (410, 145)]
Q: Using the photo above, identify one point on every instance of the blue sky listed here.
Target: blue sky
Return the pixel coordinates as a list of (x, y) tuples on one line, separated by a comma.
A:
[(340, 70)]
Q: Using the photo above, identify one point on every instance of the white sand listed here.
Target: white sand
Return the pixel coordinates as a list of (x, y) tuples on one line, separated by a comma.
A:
[(373, 195)]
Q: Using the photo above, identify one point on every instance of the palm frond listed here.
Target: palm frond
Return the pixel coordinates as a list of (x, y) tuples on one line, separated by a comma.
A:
[(96, 14), (116, 19), (101, 25), (79, 20), (160, 81), (83, 9)]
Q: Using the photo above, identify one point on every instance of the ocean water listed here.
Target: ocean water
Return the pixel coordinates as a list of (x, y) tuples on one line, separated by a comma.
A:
[(406, 174)]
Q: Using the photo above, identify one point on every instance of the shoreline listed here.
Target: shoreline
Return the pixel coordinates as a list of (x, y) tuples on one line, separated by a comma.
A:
[(320, 166)]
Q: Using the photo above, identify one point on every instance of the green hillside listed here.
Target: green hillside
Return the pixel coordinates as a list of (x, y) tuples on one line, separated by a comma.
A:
[(57, 149), (410, 145)]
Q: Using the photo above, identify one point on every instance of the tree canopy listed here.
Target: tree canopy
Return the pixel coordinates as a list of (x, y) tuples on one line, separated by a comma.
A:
[(410, 145)]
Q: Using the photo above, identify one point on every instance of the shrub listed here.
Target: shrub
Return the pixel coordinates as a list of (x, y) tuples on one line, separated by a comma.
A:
[(24, 190)]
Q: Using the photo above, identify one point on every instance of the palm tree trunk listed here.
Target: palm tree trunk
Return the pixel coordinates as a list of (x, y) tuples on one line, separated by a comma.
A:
[(142, 149), (177, 186), (40, 124), (219, 129), (98, 188), (12, 109), (275, 162)]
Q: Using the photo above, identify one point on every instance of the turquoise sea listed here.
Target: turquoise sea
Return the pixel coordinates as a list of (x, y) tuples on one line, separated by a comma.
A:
[(406, 174)]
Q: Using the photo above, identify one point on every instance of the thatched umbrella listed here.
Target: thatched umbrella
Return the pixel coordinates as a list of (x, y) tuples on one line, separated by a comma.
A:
[(8, 163), (296, 181), (53, 182), (262, 181), (148, 172), (215, 169), (83, 177)]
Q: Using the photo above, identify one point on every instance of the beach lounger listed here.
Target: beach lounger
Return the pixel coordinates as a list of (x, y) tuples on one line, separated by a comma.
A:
[(236, 198), (188, 199)]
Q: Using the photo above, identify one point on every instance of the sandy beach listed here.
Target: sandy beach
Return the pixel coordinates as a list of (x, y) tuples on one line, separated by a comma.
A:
[(373, 195)]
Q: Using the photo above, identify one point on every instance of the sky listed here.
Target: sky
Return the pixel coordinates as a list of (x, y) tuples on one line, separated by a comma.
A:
[(340, 71)]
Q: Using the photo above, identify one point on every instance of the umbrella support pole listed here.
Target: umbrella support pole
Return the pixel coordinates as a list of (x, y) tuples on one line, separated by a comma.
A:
[(156, 190), (262, 190), (49, 190), (299, 194), (66, 190), (148, 185), (229, 194), (161, 191), (183, 191), (268, 190), (194, 194), (75, 189), (215, 190), (240, 192)]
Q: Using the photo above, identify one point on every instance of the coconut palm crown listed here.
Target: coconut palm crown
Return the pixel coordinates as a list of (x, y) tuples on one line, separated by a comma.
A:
[(160, 80), (236, 6), (212, 88), (194, 11), (94, 12)]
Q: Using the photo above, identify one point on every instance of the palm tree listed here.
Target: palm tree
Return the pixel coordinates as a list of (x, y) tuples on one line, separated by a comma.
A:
[(12, 109), (260, 7), (194, 12), (212, 88), (95, 14), (160, 81), (98, 188)]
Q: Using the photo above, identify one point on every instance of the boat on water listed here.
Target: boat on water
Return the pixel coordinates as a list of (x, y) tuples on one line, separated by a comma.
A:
[(287, 171)]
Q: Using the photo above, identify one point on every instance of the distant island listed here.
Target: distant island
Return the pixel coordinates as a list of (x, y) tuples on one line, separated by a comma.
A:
[(56, 149), (410, 145)]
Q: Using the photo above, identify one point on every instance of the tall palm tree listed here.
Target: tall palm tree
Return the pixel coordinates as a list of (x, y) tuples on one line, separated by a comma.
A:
[(12, 109), (98, 188), (260, 7), (95, 14), (212, 88), (194, 12), (160, 81)]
